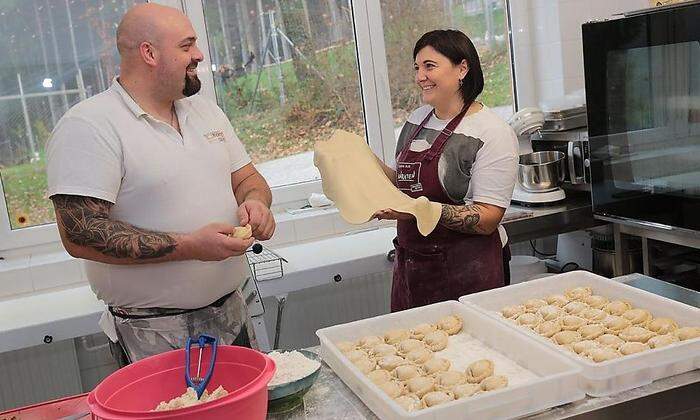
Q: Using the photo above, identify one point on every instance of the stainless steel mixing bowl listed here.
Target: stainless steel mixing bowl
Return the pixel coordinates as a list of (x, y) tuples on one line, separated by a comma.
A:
[(541, 171)]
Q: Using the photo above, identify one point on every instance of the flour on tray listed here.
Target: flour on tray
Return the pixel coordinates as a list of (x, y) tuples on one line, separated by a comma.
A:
[(464, 349), (291, 366)]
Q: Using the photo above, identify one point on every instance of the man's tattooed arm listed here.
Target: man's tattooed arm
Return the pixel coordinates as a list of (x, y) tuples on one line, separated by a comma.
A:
[(477, 218), (85, 223)]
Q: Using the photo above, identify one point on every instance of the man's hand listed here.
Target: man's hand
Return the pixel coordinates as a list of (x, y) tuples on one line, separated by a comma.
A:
[(389, 214), (258, 215), (213, 243)]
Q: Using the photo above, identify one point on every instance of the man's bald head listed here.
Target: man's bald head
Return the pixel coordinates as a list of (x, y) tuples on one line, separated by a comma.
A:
[(146, 23)]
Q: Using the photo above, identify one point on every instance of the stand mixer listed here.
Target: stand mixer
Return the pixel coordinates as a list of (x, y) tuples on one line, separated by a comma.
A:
[(539, 174)]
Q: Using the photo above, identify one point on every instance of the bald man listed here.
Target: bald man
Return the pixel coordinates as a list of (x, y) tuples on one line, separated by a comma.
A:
[(148, 181)]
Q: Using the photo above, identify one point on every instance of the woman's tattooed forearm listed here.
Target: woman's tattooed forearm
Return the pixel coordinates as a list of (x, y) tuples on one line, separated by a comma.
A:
[(463, 219), (86, 222)]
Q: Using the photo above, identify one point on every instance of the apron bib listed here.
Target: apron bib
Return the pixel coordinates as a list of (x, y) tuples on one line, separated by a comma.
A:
[(446, 264)]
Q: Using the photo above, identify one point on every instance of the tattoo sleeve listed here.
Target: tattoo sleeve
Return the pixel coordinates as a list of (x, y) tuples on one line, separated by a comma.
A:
[(86, 222), (463, 219)]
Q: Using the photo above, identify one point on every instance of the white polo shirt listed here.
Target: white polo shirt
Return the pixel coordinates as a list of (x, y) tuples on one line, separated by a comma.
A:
[(107, 147)]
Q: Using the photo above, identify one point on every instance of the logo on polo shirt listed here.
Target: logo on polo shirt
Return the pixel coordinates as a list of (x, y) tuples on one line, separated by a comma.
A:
[(216, 135)]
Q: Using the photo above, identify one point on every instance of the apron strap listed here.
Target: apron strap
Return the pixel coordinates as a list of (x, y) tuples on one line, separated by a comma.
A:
[(445, 134), (440, 140)]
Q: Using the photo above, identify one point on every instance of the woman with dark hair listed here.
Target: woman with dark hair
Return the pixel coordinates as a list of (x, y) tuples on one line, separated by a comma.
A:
[(458, 152)]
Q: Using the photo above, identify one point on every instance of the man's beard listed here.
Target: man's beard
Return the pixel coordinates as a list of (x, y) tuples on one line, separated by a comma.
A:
[(192, 85)]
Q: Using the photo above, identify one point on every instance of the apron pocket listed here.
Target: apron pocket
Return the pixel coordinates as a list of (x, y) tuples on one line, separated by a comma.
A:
[(426, 276)]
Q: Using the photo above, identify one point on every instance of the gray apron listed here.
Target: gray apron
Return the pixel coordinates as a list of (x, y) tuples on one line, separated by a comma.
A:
[(146, 332)]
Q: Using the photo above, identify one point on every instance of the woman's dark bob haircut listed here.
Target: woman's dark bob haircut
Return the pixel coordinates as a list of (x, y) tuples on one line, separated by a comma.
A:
[(456, 46)]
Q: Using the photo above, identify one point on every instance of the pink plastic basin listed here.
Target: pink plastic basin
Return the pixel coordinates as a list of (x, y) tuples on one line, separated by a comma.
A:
[(132, 392)]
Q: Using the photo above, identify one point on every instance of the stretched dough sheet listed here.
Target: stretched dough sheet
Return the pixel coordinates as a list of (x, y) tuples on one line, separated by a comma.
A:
[(353, 178)]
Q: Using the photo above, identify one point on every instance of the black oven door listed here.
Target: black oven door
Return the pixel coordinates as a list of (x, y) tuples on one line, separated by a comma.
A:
[(643, 96)]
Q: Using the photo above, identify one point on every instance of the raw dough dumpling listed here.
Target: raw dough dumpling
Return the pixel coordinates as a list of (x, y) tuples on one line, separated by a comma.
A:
[(421, 330), (637, 316), (365, 364), (409, 402), (602, 354), (549, 312), (662, 325), (435, 365), (345, 346), (532, 305), (449, 379), (419, 355), (406, 372), (575, 307), (513, 311), (393, 388), (615, 323), (687, 333), (369, 341), (379, 376), (477, 371), (381, 350), (420, 385), (436, 340), (594, 315), (579, 293), (451, 324), (465, 390), (242, 232), (617, 307), (662, 341), (591, 331), (548, 328), (584, 347), (494, 382), (353, 355), (557, 300), (596, 301), (636, 333), (409, 345), (572, 322), (529, 320), (632, 347), (396, 336), (391, 362), (352, 177), (610, 340), (436, 398), (566, 337)]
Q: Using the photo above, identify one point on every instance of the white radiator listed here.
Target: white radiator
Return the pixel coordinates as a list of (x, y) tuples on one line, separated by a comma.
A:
[(38, 373), (310, 309)]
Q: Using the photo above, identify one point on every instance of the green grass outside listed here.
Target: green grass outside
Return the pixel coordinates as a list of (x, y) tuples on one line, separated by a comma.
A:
[(25, 192)]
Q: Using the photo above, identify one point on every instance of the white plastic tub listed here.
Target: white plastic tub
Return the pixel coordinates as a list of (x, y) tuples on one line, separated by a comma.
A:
[(556, 380), (613, 376)]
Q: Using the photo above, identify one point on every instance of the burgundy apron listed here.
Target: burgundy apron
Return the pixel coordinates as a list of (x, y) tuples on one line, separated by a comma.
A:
[(446, 264)]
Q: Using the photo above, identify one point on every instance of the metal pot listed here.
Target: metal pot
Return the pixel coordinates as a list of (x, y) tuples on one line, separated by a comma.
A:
[(541, 171)]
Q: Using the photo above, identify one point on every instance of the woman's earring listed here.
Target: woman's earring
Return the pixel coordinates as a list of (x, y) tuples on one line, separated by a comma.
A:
[(461, 82)]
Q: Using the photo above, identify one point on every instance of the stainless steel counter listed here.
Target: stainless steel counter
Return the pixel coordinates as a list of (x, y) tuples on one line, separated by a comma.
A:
[(329, 398), (574, 213)]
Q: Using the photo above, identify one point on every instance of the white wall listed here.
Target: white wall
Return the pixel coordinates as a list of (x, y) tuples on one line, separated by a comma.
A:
[(547, 48)]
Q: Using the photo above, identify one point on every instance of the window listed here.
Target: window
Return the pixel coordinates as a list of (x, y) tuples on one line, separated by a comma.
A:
[(57, 53), (484, 22), (286, 74)]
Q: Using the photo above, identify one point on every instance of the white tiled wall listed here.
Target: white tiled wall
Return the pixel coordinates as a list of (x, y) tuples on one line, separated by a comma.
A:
[(547, 44)]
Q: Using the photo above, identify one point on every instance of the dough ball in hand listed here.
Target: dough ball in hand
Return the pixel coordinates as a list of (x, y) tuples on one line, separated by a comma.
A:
[(242, 232)]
